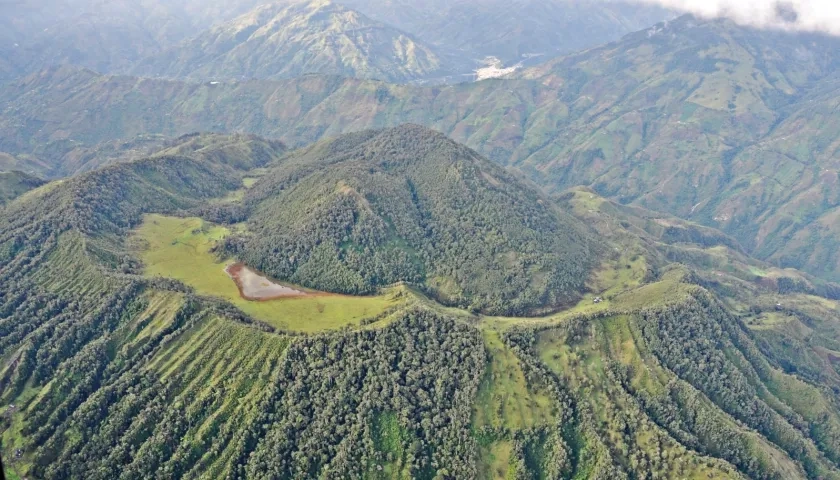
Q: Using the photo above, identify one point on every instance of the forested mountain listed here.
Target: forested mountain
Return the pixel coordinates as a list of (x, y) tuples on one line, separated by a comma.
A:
[(290, 39), (409, 205), (719, 366), (513, 31), (702, 119)]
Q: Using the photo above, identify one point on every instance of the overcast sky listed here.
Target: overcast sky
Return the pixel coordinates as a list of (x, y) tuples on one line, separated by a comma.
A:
[(808, 15)]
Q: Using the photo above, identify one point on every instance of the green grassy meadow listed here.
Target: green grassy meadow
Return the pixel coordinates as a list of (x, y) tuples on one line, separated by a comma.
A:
[(180, 248), (504, 397)]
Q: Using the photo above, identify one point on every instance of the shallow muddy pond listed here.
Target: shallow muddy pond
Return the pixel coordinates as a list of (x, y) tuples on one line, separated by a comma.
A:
[(254, 286)]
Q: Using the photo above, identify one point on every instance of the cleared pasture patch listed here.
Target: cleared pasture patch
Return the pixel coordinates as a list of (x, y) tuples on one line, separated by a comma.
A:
[(181, 248), (505, 399)]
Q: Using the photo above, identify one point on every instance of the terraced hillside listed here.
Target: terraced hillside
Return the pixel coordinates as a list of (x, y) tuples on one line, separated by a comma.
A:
[(684, 358)]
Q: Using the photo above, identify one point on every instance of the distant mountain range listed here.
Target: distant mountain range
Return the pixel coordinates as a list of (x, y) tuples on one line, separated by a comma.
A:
[(106, 36), (286, 40), (690, 117), (514, 31), (398, 42)]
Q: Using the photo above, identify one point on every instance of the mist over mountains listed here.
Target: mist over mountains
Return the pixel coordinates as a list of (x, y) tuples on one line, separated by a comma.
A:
[(792, 15)]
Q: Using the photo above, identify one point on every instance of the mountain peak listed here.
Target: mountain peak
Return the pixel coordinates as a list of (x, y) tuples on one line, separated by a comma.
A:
[(291, 39), (395, 193)]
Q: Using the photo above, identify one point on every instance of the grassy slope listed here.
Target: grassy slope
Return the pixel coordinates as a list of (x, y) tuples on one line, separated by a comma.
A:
[(581, 365), (180, 248), (505, 399), (506, 403)]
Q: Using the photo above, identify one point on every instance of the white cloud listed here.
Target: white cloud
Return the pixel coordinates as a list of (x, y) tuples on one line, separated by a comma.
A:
[(803, 15)]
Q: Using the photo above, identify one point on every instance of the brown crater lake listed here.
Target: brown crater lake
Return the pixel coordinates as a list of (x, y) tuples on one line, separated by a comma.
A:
[(255, 286)]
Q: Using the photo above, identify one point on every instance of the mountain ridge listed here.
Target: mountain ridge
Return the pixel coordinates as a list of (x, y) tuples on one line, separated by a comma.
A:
[(514, 32), (105, 36), (547, 123), (296, 38)]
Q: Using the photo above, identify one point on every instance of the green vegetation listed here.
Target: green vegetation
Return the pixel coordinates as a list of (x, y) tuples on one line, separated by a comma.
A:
[(182, 249), (612, 427), (429, 364), (505, 399), (128, 352), (389, 440), (409, 205), (727, 126), (117, 375)]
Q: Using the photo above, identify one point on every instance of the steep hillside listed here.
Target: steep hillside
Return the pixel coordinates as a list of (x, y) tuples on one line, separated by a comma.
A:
[(115, 367), (291, 39), (106, 373), (408, 204), (782, 192), (681, 99), (520, 31)]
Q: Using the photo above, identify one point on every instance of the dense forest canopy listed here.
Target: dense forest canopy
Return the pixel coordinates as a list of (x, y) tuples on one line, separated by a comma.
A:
[(409, 205)]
